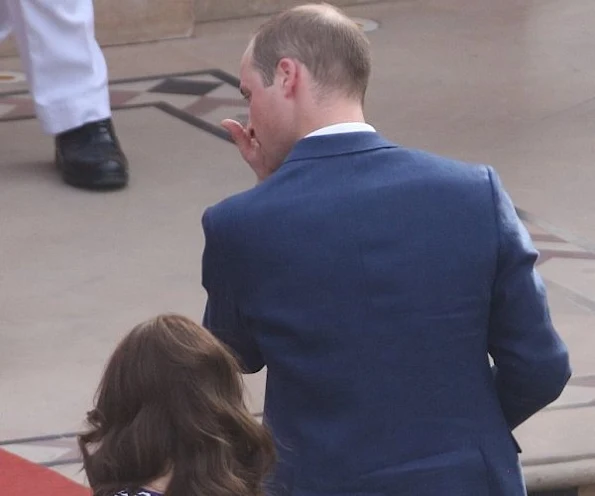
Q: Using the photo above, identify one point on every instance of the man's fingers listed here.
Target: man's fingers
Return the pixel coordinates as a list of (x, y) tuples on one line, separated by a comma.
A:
[(230, 124), (248, 145), (237, 132)]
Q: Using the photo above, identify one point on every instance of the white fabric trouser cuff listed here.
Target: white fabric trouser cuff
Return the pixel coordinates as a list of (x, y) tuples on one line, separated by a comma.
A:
[(67, 114), (65, 67)]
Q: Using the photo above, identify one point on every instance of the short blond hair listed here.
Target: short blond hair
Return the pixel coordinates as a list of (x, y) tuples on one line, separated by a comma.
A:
[(333, 48)]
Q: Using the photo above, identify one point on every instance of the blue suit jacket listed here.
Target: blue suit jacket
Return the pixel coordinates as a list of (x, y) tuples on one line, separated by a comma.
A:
[(373, 281)]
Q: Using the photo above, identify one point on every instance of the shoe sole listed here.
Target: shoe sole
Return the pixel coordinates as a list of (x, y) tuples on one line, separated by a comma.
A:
[(104, 183), (100, 184)]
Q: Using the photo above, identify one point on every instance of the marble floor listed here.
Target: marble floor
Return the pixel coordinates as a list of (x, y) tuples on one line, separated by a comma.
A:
[(508, 83)]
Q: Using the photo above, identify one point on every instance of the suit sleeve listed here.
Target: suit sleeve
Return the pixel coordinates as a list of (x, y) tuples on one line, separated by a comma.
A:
[(531, 364), (222, 316)]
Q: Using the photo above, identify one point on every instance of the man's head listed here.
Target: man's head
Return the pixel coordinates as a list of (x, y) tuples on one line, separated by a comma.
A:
[(331, 47), (305, 68)]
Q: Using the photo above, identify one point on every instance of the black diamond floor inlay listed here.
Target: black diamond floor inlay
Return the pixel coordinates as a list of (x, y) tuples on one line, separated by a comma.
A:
[(185, 87)]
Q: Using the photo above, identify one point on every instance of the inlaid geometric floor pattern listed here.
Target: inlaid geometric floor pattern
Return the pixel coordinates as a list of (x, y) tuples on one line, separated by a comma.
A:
[(202, 98)]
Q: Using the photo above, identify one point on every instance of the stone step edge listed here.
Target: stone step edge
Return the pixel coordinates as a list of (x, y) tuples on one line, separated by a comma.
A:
[(563, 474)]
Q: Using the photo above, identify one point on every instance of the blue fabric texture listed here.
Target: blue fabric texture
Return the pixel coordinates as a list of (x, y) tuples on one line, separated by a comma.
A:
[(374, 281)]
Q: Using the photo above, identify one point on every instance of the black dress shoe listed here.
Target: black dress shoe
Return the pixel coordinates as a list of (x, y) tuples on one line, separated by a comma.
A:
[(90, 157)]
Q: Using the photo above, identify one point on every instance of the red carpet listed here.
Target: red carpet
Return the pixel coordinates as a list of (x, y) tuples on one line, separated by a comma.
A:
[(20, 477)]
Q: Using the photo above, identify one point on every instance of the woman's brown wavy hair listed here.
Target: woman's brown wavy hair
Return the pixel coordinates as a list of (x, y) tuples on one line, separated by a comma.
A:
[(171, 400)]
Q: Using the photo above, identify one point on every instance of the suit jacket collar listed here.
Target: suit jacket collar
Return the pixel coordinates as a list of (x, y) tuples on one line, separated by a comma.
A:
[(336, 144)]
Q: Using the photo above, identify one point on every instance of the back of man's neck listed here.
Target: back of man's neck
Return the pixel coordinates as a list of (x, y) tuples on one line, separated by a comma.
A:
[(341, 128), (330, 115)]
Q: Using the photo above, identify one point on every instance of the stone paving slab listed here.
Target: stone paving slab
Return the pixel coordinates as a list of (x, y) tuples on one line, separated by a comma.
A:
[(506, 83)]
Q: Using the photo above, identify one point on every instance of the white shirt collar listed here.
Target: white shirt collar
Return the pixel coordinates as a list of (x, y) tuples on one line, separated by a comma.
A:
[(344, 127)]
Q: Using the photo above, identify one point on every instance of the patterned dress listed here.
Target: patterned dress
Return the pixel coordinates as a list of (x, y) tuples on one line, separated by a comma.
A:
[(142, 492)]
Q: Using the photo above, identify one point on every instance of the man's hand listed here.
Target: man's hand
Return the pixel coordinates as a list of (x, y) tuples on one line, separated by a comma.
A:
[(249, 147)]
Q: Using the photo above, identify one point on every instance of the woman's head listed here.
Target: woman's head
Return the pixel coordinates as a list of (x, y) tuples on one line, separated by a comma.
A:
[(171, 400)]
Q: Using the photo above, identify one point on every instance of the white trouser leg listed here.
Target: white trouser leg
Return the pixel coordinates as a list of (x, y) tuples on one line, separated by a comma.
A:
[(65, 67)]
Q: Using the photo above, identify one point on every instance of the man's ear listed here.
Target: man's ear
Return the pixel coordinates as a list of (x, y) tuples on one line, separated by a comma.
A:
[(288, 74)]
